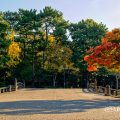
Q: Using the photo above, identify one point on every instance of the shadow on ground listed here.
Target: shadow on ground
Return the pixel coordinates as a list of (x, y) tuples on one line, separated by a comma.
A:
[(53, 106)]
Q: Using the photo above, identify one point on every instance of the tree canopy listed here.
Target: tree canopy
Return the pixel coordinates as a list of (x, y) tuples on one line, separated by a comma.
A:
[(85, 34), (41, 46), (107, 54)]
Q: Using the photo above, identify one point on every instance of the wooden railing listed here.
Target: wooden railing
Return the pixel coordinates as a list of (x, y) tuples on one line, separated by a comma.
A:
[(105, 90), (10, 88)]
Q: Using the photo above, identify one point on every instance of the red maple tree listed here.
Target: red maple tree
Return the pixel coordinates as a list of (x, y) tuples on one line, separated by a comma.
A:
[(107, 54)]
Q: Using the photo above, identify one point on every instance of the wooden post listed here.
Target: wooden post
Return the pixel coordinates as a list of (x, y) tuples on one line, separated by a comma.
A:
[(10, 88), (115, 92), (3, 90), (99, 89), (96, 89), (107, 90)]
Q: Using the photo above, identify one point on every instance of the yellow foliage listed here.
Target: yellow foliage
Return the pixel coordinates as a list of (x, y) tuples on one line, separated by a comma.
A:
[(32, 37), (115, 69), (14, 53), (13, 50), (11, 36), (51, 38)]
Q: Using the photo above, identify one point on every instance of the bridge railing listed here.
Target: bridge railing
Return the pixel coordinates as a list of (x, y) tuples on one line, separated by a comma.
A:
[(11, 88), (105, 90), (7, 89)]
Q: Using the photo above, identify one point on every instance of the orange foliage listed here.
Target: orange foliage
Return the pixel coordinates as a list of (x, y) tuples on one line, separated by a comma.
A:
[(107, 54), (92, 68)]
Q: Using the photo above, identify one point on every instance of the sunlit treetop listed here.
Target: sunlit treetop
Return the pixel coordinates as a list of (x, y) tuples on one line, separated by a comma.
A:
[(113, 36), (14, 51)]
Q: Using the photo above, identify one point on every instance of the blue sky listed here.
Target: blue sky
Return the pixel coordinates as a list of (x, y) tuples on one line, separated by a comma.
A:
[(105, 11)]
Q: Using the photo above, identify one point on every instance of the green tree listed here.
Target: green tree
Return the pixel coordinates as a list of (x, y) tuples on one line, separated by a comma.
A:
[(4, 43), (53, 23), (58, 60), (12, 18), (85, 35)]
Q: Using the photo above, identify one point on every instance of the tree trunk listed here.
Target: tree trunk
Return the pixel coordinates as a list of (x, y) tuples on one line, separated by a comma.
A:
[(54, 81), (117, 77), (117, 83), (64, 79)]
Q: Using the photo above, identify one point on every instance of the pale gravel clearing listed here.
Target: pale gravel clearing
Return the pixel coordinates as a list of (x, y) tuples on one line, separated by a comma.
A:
[(57, 104)]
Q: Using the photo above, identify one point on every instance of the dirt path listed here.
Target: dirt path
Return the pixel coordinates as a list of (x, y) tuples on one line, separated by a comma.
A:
[(57, 104)]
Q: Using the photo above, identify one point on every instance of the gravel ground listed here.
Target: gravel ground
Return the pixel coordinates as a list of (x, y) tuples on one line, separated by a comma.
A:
[(57, 104)]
